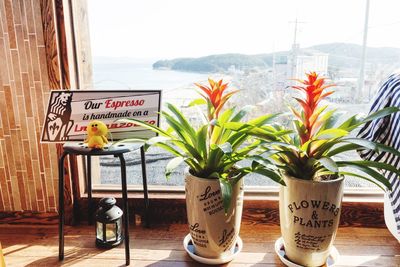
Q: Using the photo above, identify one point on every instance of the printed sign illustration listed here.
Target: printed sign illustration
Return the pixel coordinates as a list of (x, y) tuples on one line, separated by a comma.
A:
[(69, 112)]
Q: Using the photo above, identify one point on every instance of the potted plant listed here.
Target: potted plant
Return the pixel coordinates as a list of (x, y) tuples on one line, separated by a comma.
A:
[(213, 178), (307, 161)]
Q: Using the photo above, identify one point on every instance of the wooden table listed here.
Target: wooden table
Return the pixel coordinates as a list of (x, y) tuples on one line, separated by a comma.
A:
[(162, 246)]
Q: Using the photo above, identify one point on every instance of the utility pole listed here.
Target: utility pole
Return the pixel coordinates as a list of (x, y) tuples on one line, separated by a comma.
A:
[(295, 49), (361, 78)]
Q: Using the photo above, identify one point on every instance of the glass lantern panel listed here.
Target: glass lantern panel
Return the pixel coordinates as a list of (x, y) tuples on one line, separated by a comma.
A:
[(119, 230), (111, 232), (99, 230)]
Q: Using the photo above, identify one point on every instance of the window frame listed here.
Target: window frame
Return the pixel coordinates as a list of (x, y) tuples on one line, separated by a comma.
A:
[(81, 77)]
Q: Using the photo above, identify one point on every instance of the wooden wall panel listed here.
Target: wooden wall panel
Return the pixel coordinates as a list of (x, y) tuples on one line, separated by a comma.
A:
[(29, 69)]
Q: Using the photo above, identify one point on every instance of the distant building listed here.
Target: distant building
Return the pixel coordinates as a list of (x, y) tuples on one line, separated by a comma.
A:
[(317, 62), (297, 64), (280, 72)]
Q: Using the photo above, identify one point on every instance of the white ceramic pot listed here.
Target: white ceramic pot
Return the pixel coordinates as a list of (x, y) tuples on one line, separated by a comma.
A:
[(213, 233), (309, 217)]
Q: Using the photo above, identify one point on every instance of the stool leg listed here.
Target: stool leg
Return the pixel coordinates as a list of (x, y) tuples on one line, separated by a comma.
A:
[(61, 206), (125, 207), (145, 191), (89, 188)]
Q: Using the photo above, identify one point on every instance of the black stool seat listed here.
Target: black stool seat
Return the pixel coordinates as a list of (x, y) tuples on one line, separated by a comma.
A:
[(118, 151), (82, 149)]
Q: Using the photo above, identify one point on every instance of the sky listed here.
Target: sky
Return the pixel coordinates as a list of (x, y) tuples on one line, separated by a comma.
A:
[(165, 29)]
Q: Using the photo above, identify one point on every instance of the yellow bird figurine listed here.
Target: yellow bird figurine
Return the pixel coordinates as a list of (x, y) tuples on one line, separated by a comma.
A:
[(97, 132)]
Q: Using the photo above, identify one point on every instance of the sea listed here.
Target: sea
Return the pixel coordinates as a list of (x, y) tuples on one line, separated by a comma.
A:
[(139, 74)]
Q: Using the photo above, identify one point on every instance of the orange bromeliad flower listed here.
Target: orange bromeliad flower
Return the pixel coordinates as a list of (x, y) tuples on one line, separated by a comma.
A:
[(313, 88), (214, 96)]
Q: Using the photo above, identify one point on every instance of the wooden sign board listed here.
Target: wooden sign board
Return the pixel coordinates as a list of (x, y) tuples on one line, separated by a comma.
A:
[(69, 112)]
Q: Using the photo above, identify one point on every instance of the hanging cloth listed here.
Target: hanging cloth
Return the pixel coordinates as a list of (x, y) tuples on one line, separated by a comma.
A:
[(386, 131)]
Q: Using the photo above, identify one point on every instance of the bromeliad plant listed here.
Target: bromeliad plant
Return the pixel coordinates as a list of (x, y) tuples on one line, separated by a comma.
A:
[(211, 150), (310, 153)]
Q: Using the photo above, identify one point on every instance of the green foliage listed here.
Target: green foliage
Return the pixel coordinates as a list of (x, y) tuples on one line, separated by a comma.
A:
[(316, 158), (214, 149)]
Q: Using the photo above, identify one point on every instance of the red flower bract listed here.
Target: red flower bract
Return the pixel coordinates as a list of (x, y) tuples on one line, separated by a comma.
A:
[(313, 89), (215, 97)]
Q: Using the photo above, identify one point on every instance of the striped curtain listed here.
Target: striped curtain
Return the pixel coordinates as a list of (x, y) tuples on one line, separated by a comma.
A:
[(386, 131)]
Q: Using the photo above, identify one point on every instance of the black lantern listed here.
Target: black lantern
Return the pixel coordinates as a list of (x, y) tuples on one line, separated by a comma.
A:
[(108, 223)]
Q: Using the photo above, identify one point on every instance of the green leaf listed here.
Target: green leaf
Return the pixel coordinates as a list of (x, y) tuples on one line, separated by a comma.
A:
[(243, 112), (147, 126), (246, 150), (198, 101), (361, 142), (226, 190), (270, 174), (362, 177), (264, 134), (378, 147), (283, 145), (376, 164), (374, 116), (260, 159), (190, 150), (324, 148), (331, 133), (381, 113), (181, 119), (194, 166), (317, 113), (226, 148), (220, 131), (305, 146), (329, 119), (169, 148), (237, 126), (371, 172), (350, 123), (328, 163), (186, 134), (262, 119), (300, 128), (214, 157), (341, 149), (172, 164), (202, 140)]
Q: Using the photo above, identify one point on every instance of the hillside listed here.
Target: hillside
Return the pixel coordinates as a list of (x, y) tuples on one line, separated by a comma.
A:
[(213, 63), (341, 55)]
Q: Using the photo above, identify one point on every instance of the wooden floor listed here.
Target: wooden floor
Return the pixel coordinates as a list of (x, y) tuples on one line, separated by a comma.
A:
[(162, 246)]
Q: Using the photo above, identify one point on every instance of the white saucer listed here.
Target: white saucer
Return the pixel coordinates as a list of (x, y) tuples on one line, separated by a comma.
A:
[(280, 250), (188, 245)]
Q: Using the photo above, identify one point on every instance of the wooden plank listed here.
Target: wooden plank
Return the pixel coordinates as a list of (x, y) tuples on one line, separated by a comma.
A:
[(26, 218), (5, 76), (10, 24), (23, 17), (34, 57)]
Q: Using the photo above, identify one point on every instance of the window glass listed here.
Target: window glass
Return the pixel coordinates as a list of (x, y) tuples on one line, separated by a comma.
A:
[(257, 46)]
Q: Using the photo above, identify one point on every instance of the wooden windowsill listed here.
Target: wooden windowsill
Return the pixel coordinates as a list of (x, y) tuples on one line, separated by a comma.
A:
[(368, 195)]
